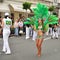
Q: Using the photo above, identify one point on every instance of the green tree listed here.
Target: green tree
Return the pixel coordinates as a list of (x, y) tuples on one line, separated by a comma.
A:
[(51, 8), (27, 5)]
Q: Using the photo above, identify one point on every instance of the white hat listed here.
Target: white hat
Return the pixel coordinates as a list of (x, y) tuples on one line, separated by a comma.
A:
[(6, 14)]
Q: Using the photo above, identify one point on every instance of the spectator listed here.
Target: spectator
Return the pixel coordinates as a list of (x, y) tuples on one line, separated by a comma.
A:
[(27, 31), (16, 27), (20, 24), (0, 25), (55, 31)]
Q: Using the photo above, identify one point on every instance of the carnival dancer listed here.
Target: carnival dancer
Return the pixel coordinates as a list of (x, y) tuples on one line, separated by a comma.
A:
[(39, 38), (6, 24)]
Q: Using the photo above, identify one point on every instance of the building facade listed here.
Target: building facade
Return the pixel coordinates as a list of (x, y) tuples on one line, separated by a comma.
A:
[(15, 8)]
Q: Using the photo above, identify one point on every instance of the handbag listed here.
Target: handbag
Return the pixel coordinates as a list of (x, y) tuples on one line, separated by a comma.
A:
[(21, 31)]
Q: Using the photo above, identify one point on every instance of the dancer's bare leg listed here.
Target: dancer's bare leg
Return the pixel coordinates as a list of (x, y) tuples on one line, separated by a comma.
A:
[(37, 41), (39, 47)]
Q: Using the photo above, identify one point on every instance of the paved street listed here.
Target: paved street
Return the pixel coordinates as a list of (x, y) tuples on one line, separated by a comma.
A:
[(23, 49)]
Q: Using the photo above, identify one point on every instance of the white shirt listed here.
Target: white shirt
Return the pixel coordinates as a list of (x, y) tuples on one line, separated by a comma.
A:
[(20, 24), (7, 23)]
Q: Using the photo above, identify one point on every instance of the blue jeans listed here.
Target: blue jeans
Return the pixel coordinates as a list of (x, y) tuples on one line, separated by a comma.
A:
[(16, 31)]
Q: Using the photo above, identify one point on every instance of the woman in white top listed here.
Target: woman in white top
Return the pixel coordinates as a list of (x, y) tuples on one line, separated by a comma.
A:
[(20, 24), (6, 24)]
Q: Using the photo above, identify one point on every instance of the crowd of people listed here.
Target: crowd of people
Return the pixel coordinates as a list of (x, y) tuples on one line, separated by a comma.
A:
[(54, 31), (29, 30)]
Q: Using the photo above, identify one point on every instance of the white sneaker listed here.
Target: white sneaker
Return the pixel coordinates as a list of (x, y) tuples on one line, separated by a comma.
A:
[(8, 53), (27, 37), (3, 51)]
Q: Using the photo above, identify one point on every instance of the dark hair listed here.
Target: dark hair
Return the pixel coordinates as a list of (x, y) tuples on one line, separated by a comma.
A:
[(6, 16), (55, 24), (28, 25)]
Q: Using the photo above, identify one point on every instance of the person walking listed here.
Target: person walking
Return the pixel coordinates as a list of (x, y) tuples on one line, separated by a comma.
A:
[(6, 24)]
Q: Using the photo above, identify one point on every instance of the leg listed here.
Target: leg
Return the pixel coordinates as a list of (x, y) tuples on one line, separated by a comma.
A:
[(27, 33), (39, 45), (4, 47), (56, 34), (7, 44), (39, 48), (34, 35), (53, 34)]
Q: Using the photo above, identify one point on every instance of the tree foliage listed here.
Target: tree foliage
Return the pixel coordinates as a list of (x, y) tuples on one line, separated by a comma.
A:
[(26, 5), (51, 8)]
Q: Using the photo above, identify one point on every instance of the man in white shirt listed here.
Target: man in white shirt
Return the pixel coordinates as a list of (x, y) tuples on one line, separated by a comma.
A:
[(6, 24)]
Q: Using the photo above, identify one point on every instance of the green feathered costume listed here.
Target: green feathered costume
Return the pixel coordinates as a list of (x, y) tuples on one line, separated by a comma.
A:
[(41, 12)]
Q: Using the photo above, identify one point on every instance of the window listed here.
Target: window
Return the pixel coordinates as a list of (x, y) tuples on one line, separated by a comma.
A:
[(55, 1), (1, 1)]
